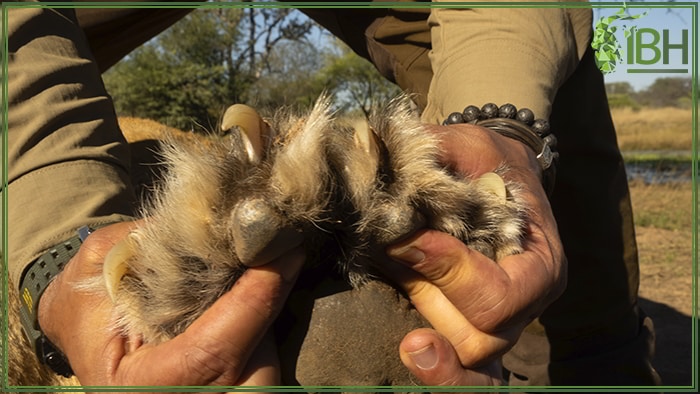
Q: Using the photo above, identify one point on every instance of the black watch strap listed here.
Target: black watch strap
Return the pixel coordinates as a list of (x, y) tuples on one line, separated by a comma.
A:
[(33, 284)]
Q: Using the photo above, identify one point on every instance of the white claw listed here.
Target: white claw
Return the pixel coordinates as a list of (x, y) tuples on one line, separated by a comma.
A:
[(252, 128), (366, 140), (116, 264), (494, 184)]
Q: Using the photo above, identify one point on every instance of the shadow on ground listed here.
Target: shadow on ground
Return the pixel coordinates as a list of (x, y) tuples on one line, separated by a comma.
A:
[(674, 342)]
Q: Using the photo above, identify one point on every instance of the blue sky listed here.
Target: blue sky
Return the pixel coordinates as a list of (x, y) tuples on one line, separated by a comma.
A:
[(673, 19)]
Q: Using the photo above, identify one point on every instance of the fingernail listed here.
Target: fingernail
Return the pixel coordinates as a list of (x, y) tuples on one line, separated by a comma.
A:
[(409, 254), (425, 358)]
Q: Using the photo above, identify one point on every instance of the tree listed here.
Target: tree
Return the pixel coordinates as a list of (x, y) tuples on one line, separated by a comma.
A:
[(290, 78), (152, 84), (621, 94), (668, 92), (260, 56), (265, 30), (619, 88), (355, 81), (202, 64)]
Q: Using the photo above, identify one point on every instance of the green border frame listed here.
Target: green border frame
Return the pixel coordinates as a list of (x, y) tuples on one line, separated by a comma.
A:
[(292, 4)]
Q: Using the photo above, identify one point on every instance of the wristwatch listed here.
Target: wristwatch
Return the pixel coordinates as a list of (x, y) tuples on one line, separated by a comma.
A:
[(35, 281)]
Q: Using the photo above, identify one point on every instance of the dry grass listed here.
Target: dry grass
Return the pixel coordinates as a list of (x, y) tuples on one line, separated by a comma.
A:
[(653, 128), (663, 226), (663, 206)]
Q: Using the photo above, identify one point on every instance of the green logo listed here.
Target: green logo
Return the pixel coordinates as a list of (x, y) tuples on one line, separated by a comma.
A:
[(648, 39), (608, 50)]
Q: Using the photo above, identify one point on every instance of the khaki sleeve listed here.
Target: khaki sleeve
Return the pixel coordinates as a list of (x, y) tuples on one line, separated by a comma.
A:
[(502, 55), (66, 158)]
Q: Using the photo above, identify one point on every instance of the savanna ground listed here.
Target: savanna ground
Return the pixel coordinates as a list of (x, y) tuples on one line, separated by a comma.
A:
[(661, 139)]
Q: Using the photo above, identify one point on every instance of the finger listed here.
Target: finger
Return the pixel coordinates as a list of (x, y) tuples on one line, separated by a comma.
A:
[(216, 348), (263, 367), (487, 293), (474, 347), (431, 358)]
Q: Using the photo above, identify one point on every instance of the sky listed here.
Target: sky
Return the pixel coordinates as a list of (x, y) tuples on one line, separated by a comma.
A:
[(674, 20)]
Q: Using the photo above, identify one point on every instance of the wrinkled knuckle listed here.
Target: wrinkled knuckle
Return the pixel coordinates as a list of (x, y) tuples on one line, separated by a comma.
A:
[(475, 351), (448, 276), (204, 365), (469, 355), (493, 308), (418, 289)]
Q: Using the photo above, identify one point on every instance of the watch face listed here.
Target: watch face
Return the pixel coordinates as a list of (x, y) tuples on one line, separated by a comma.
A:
[(53, 358), (83, 233)]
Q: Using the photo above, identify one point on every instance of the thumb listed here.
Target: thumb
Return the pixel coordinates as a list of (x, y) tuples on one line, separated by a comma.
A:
[(433, 360)]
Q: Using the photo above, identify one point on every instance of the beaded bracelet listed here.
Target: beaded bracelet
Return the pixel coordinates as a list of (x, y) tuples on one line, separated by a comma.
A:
[(520, 125)]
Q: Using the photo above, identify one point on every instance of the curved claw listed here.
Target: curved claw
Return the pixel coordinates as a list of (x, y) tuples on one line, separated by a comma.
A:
[(260, 234), (494, 184), (252, 127), (366, 139), (116, 265)]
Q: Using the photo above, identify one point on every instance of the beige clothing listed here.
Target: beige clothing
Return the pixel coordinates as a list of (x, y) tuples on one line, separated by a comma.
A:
[(66, 157)]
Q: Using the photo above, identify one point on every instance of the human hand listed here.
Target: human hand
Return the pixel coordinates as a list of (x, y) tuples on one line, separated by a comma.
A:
[(226, 346), (477, 306)]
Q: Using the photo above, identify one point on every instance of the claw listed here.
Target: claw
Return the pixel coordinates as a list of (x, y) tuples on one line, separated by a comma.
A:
[(252, 128), (494, 184), (116, 264), (366, 139), (260, 234)]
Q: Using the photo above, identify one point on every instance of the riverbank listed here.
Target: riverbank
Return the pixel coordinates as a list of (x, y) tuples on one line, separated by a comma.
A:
[(659, 166)]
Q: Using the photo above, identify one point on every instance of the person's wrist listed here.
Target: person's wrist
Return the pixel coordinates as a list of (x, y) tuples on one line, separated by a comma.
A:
[(37, 278), (45, 317), (473, 150), (520, 125)]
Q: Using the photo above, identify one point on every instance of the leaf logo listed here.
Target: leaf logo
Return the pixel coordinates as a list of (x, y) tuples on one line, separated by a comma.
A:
[(608, 50)]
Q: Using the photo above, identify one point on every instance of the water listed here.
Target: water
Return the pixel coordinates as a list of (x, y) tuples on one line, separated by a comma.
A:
[(659, 171)]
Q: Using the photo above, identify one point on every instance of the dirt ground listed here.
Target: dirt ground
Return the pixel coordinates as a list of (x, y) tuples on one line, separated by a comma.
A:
[(666, 295)]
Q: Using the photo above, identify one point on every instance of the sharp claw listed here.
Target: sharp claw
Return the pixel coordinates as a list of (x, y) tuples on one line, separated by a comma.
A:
[(252, 128), (362, 171), (366, 140), (116, 264), (494, 184)]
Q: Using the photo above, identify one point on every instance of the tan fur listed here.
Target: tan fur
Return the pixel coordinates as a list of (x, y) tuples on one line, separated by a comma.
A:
[(217, 210), (410, 189)]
